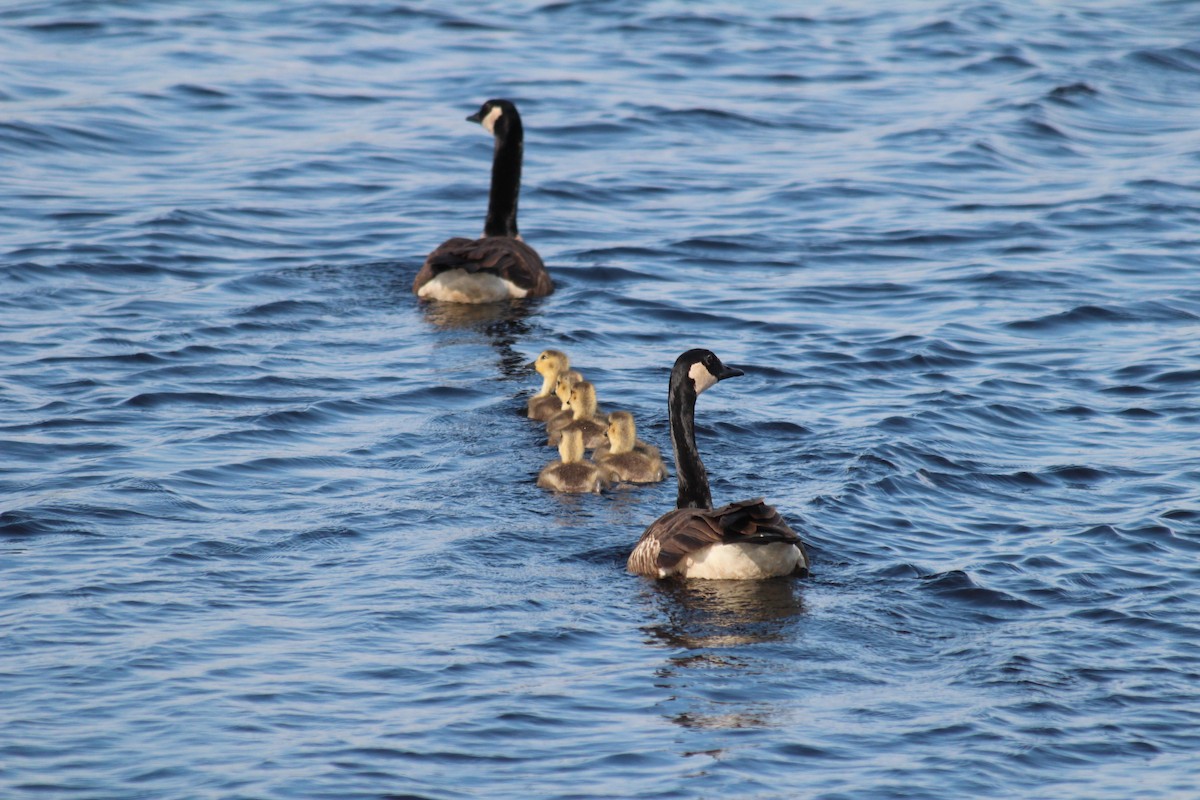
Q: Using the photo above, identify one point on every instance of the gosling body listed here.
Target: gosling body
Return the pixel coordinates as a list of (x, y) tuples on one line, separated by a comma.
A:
[(562, 391), (621, 458), (545, 404), (571, 472), (582, 404)]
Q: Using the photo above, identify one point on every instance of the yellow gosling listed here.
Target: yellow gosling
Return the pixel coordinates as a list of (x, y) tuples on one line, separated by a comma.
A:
[(648, 450), (583, 412), (562, 390), (571, 472), (623, 462), (545, 404)]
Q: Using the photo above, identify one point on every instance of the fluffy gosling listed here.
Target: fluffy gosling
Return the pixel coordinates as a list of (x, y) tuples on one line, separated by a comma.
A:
[(622, 461), (545, 404), (583, 411), (571, 472)]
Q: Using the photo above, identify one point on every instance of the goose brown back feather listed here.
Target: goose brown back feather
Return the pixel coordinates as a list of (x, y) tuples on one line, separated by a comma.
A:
[(683, 531), (510, 259)]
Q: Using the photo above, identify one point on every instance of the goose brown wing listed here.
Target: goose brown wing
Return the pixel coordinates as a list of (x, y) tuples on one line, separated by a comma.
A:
[(687, 530), (503, 256)]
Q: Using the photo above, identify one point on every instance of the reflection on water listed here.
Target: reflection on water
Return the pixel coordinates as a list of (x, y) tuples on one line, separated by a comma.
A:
[(503, 323), (724, 613), (750, 715), (472, 316), (713, 621)]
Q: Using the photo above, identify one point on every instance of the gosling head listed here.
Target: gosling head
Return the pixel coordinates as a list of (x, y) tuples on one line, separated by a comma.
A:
[(621, 432), (702, 369), (562, 387), (497, 116), (570, 446), (551, 363), (583, 400)]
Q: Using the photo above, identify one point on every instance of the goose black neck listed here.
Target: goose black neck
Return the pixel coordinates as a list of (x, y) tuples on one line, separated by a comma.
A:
[(506, 177), (689, 470)]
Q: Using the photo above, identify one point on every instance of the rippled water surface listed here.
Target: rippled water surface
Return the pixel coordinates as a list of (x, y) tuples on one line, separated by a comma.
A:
[(268, 525)]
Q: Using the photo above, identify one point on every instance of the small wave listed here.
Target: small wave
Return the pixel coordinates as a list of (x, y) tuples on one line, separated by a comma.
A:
[(1078, 316), (191, 398), (1183, 377), (1069, 92), (999, 64), (1078, 476), (69, 27), (943, 28), (1173, 59), (23, 524), (959, 586), (710, 117), (609, 275), (284, 308)]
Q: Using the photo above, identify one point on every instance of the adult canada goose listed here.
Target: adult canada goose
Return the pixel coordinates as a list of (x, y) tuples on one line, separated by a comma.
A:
[(545, 404), (499, 265), (572, 473), (622, 461), (583, 411), (745, 540)]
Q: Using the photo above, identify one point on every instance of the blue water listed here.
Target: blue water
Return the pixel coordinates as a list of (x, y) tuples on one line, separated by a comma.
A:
[(268, 526)]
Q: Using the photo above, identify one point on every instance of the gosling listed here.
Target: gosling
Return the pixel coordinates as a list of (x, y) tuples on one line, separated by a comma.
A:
[(572, 472), (545, 404), (624, 463), (640, 447), (562, 390), (583, 411)]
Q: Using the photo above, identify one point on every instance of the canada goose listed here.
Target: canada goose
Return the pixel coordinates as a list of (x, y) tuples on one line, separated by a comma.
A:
[(545, 404), (572, 473), (499, 265), (622, 461), (745, 540), (583, 413), (645, 449), (562, 390)]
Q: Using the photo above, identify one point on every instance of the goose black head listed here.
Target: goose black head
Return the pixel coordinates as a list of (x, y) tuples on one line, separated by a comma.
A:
[(704, 369), (496, 116)]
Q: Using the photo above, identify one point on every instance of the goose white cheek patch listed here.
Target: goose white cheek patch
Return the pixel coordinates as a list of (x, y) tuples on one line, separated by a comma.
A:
[(701, 377), (489, 122)]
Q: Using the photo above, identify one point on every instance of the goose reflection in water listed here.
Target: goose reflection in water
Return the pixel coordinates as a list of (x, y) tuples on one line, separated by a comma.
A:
[(716, 622), (724, 613), (504, 323)]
